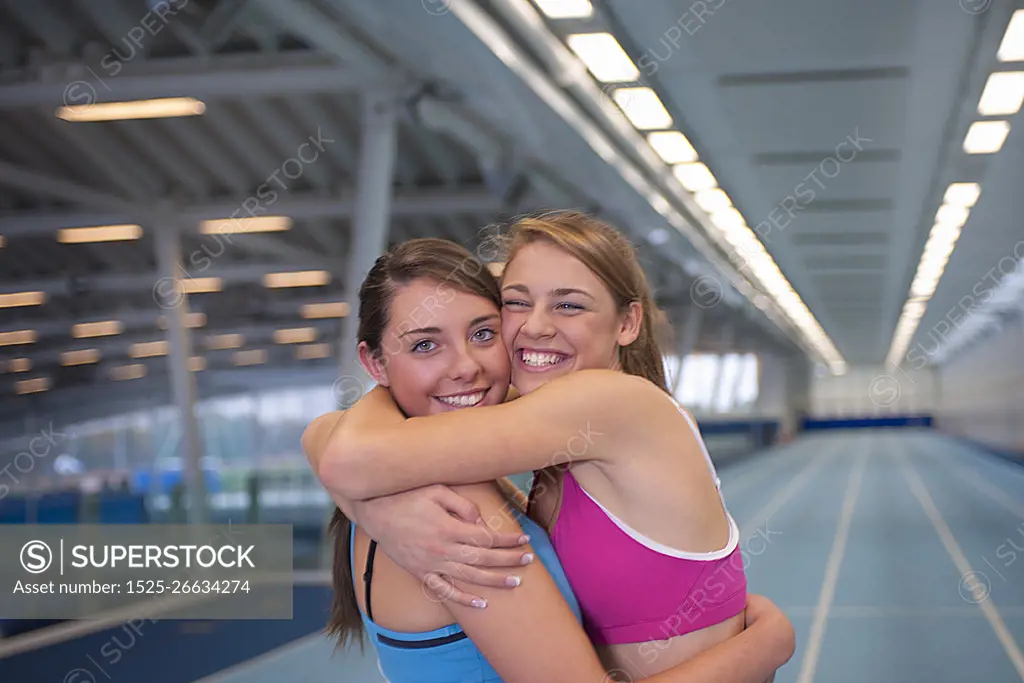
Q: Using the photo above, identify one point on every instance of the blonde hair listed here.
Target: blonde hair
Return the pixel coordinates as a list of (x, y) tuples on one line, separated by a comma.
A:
[(613, 259)]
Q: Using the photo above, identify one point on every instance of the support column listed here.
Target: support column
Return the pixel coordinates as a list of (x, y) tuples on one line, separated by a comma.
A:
[(687, 341), (370, 222), (171, 297), (728, 334)]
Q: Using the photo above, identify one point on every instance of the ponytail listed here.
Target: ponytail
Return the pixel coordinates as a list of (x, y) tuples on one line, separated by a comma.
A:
[(346, 623)]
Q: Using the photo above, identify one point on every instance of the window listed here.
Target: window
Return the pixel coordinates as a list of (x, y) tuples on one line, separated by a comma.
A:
[(714, 383)]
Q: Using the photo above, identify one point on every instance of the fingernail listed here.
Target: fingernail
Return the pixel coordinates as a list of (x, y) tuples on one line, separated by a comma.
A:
[(527, 558), (524, 539), (477, 602), (512, 581)]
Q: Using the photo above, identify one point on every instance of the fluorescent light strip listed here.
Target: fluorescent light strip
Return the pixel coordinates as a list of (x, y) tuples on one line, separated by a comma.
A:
[(149, 349), (728, 219), (566, 9), (949, 214), (80, 357), (32, 386), (694, 177), (236, 226), (712, 200), (643, 108), (986, 137), (136, 109), (200, 285), (219, 342), (672, 146), (18, 299), (105, 328), (962, 194), (127, 372), (313, 351), (16, 365), (338, 309), (301, 278), (99, 233), (604, 57), (297, 335), (1003, 94), (250, 357), (949, 220), (18, 337), (1011, 49)]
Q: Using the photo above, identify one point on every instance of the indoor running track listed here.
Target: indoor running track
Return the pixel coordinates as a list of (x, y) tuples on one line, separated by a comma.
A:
[(891, 551)]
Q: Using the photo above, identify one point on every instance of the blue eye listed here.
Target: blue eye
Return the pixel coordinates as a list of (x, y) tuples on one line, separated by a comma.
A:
[(485, 334), (571, 306), (419, 347)]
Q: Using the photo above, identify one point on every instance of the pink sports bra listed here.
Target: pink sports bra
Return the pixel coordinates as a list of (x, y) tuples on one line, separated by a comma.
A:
[(632, 589)]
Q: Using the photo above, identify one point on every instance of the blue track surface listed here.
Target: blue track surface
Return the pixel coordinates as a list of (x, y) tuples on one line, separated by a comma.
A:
[(863, 537)]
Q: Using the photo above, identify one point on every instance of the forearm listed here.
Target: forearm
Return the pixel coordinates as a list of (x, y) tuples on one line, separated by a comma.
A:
[(574, 421), (752, 656)]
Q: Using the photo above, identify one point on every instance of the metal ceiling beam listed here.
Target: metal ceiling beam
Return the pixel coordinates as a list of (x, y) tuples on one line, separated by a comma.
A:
[(105, 154), (168, 158), (222, 21), (38, 183), (322, 31), (283, 138), (48, 23), (221, 84), (469, 200)]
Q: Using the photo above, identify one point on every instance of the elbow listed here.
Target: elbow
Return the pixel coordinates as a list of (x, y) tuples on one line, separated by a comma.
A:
[(340, 470), (786, 645)]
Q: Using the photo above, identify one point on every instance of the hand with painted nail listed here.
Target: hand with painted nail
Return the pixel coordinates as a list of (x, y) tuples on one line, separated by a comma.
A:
[(437, 536)]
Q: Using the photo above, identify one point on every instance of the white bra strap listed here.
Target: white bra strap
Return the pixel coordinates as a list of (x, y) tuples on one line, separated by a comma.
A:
[(703, 447)]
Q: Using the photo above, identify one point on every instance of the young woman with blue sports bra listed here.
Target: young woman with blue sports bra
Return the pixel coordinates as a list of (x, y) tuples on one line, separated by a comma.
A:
[(429, 335)]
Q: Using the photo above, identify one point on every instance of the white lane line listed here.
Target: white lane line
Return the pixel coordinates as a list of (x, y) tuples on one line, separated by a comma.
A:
[(835, 561), (991, 490), (986, 605), (734, 487), (784, 495)]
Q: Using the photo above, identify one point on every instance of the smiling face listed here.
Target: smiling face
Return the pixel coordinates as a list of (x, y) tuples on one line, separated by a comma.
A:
[(558, 316), (441, 350)]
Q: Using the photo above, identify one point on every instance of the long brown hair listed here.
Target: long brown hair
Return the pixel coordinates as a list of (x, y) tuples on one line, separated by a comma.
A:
[(449, 265), (613, 259)]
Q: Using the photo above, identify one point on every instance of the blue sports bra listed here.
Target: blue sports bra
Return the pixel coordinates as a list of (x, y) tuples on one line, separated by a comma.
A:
[(447, 655)]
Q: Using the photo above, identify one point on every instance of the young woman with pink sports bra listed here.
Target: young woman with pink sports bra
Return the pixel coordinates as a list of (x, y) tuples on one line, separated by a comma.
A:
[(622, 481)]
